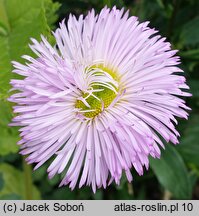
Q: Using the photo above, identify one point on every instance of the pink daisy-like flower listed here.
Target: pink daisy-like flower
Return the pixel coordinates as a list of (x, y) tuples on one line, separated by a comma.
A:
[(98, 100)]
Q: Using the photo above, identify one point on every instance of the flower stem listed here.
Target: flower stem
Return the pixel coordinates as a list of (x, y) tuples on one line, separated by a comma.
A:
[(167, 195), (130, 189), (28, 180)]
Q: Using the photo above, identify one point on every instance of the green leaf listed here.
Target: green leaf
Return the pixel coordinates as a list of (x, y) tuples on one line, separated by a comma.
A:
[(17, 26), (51, 9), (19, 21), (189, 145), (172, 173), (1, 182), (8, 135), (11, 196), (14, 182), (190, 32), (107, 2)]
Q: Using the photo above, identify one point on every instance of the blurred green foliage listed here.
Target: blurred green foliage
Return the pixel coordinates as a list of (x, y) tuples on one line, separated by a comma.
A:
[(13, 183), (171, 170), (178, 169)]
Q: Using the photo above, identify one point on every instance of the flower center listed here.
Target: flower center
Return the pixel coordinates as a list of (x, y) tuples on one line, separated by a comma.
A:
[(101, 92)]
